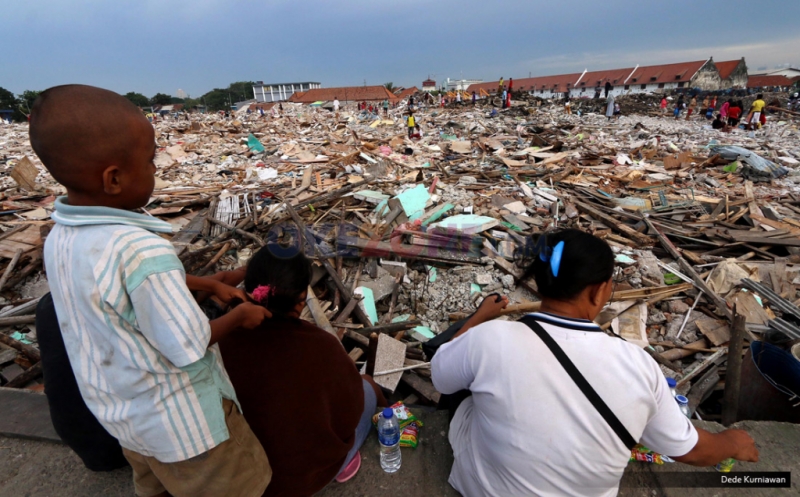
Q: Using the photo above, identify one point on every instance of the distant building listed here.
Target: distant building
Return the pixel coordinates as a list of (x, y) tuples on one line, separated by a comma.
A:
[(280, 91), (770, 81), (460, 84), (429, 85), (402, 93), (732, 74), (702, 74), (789, 72), (345, 95)]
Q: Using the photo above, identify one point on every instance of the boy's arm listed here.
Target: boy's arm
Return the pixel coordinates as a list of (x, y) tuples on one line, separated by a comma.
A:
[(712, 448), (220, 285), (245, 315)]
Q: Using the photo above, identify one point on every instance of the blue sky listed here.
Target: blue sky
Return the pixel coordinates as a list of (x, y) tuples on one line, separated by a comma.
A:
[(152, 46)]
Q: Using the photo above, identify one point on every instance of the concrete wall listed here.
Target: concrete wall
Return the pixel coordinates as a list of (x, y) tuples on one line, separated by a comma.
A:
[(616, 91), (707, 78), (737, 79)]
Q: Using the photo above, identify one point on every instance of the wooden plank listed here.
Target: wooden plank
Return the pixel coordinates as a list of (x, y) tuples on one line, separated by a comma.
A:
[(717, 332), (373, 248), (26, 414), (422, 386), (733, 376), (189, 232)]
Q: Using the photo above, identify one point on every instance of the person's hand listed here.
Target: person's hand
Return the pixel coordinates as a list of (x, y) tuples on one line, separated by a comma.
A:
[(491, 307), (226, 293), (250, 315), (745, 445)]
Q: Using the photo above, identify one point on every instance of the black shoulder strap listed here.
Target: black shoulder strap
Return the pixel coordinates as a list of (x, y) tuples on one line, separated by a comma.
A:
[(584, 385)]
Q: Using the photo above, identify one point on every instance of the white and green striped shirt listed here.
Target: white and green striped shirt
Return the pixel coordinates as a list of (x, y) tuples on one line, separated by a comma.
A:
[(136, 339)]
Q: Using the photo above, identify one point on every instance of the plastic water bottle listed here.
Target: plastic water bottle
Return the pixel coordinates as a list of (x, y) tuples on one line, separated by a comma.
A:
[(683, 403), (672, 384), (389, 437)]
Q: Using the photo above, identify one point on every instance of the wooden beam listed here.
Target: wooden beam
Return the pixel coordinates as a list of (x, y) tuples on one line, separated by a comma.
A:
[(733, 375)]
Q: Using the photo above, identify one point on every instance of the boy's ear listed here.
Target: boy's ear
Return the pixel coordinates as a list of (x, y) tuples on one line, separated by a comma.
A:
[(112, 184)]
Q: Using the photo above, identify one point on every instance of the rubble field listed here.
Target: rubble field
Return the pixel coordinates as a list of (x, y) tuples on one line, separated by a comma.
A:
[(408, 235)]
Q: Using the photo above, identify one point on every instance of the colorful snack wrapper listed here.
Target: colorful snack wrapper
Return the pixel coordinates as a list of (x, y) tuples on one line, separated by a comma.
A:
[(408, 438), (404, 416), (643, 454)]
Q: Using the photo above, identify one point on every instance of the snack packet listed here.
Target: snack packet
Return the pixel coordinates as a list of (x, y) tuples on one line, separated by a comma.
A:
[(643, 454), (404, 416), (408, 438)]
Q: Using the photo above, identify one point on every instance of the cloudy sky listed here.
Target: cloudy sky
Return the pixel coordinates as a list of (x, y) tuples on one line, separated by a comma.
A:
[(151, 46)]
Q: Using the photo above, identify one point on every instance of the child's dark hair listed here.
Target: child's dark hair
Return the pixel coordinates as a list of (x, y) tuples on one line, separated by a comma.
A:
[(586, 260), (287, 273)]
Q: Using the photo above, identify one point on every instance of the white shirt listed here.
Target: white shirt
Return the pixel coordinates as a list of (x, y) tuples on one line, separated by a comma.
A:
[(527, 429), (336, 105), (136, 339)]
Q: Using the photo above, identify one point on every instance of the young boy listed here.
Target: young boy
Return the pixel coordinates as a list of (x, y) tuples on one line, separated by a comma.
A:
[(411, 124), (143, 353)]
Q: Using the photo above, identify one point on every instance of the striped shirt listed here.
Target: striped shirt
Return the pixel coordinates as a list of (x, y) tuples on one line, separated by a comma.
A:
[(136, 339)]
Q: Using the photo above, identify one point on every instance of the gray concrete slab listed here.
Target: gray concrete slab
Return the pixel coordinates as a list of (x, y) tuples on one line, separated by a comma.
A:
[(42, 469)]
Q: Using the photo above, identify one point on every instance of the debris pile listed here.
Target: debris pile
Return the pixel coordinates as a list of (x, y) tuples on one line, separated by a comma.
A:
[(409, 234)]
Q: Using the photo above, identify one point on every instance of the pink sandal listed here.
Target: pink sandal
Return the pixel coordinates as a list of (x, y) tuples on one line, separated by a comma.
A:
[(350, 470)]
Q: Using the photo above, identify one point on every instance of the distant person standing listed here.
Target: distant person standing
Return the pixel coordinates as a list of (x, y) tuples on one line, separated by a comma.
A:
[(664, 104), (714, 103), (692, 105), (505, 94), (458, 96), (510, 84), (705, 103), (723, 111), (734, 113), (679, 107), (508, 99), (500, 85), (336, 105), (441, 101), (474, 98), (610, 107), (754, 116), (412, 124), (386, 107), (608, 88), (567, 107), (597, 91)]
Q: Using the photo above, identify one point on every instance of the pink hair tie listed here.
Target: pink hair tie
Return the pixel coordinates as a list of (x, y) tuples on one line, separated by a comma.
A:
[(261, 293)]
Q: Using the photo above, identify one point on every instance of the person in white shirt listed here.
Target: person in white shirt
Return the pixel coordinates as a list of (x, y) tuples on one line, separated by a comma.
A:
[(336, 104), (527, 428)]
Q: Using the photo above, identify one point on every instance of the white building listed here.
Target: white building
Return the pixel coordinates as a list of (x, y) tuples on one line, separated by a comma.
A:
[(279, 92), (460, 84)]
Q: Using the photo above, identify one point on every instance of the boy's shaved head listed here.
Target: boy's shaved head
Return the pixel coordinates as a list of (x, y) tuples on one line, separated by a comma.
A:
[(78, 130)]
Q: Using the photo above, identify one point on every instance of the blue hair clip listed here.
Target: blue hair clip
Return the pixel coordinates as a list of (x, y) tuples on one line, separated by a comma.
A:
[(555, 258)]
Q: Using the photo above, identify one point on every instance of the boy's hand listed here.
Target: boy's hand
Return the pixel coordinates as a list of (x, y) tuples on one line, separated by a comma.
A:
[(490, 307), (746, 446), (250, 315), (226, 293)]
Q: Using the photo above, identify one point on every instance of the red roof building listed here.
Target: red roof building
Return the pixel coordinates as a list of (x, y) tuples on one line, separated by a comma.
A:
[(769, 81), (702, 74), (406, 92), (344, 94)]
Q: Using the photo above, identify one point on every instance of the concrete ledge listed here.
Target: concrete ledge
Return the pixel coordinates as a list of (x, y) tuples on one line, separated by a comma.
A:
[(39, 469)]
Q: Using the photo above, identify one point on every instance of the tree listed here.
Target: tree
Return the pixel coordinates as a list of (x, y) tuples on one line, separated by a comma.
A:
[(160, 99), (389, 86), (137, 99), (8, 101), (176, 100), (222, 99), (26, 100)]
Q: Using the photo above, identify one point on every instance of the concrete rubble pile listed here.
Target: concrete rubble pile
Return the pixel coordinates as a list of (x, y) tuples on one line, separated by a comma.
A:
[(409, 235)]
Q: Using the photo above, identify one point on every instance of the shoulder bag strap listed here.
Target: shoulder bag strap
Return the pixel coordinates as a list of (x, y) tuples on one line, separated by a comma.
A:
[(584, 385)]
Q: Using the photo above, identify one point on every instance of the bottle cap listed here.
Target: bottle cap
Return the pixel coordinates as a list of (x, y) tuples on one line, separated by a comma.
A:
[(681, 399), (671, 382), (388, 413)]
